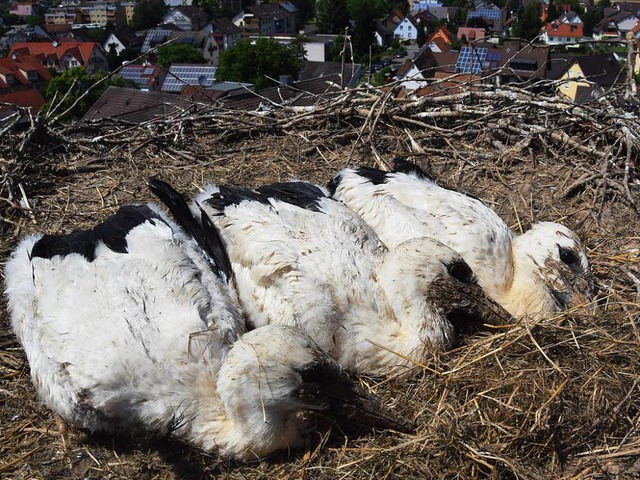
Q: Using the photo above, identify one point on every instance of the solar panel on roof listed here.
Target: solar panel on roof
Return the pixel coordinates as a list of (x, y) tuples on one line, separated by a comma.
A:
[(153, 38), (471, 60), (181, 75), (486, 13)]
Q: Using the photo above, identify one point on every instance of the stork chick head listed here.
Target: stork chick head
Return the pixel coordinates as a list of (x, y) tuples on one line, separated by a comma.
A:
[(434, 284), (551, 271), (276, 371)]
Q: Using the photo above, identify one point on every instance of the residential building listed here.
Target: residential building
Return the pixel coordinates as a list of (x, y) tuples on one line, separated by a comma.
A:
[(26, 9), (148, 77), (493, 16), (121, 40), (522, 61), (137, 106), (186, 18), (419, 5), (181, 75), (266, 19), (583, 78), (225, 34), (561, 33), (23, 78), (616, 25), (470, 34), (406, 29), (64, 55)]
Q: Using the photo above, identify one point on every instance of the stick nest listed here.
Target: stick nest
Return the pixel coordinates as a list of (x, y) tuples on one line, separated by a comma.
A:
[(557, 398)]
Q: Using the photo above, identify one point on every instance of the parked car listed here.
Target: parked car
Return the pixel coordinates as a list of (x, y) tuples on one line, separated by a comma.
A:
[(401, 54)]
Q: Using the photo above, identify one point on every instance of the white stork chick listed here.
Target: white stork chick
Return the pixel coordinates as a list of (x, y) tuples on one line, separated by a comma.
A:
[(303, 259), (127, 329), (543, 271)]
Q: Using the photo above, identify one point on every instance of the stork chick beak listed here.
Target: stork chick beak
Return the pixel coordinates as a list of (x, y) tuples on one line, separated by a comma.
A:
[(353, 403), (472, 309), (339, 396)]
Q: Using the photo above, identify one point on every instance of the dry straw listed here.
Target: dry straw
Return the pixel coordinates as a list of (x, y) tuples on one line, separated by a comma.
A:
[(556, 398)]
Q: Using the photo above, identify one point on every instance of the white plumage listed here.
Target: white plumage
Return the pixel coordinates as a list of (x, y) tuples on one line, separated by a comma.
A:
[(127, 328), (303, 259), (542, 271)]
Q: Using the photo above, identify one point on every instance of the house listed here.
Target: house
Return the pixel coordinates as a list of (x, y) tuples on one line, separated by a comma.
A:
[(318, 47), (419, 5), (122, 40), (186, 18), (63, 55), (417, 73), (225, 34), (177, 3), (440, 40), (62, 16), (616, 25), (470, 34), (263, 20), (493, 16), (406, 29), (26, 9), (18, 71), (303, 93), (23, 78), (560, 33), (522, 61), (137, 106), (148, 77), (583, 78), (58, 31), (102, 14), (292, 16), (319, 70), (181, 75)]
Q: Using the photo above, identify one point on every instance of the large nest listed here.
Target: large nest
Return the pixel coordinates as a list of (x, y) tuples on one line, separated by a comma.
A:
[(558, 397)]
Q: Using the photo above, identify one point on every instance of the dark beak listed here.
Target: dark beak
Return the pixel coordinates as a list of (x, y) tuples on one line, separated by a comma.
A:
[(471, 310), (580, 292), (340, 397)]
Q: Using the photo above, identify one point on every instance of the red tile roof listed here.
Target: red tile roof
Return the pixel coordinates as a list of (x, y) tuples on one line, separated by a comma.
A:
[(29, 97), (21, 64), (568, 30), (80, 50)]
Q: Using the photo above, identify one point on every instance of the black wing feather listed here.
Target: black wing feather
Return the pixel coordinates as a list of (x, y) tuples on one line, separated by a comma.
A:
[(228, 196), (304, 195), (205, 234), (402, 165), (112, 232)]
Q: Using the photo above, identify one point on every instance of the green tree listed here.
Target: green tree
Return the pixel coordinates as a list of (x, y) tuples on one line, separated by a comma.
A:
[(590, 19), (306, 9), (332, 16), (336, 49), (70, 86), (178, 53), (529, 23), (213, 8), (364, 16), (148, 13), (256, 63)]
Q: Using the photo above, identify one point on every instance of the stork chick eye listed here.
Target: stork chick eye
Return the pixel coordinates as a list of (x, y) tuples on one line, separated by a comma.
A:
[(567, 256), (460, 271)]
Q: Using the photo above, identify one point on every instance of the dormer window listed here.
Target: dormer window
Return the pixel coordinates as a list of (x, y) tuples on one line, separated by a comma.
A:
[(10, 79), (32, 76)]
